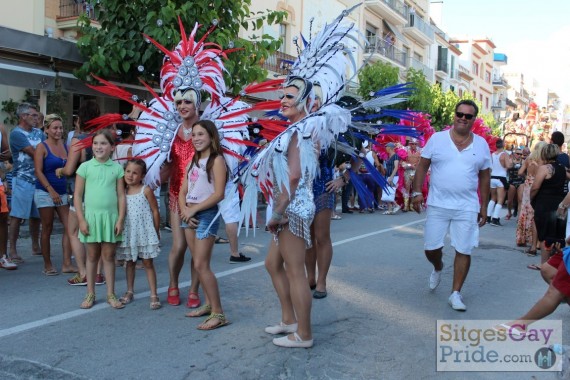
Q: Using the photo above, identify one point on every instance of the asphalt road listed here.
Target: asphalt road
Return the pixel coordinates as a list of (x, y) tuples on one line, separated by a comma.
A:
[(378, 322)]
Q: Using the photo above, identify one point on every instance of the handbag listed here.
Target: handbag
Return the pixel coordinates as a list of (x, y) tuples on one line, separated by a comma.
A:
[(389, 194)]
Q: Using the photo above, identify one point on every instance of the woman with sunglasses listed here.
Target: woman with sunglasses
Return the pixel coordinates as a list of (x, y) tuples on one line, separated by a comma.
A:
[(51, 191), (293, 210), (514, 181)]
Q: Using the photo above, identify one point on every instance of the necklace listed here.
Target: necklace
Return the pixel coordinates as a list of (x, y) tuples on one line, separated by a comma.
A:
[(460, 143), (187, 132)]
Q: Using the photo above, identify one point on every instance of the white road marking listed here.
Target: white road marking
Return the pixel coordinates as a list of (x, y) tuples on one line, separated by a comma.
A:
[(76, 313)]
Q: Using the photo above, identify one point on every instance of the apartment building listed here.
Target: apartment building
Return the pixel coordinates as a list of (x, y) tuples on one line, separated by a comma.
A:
[(500, 87), (476, 61), (38, 43)]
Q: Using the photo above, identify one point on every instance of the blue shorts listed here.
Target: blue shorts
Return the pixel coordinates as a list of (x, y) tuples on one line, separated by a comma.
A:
[(205, 219), (43, 199), (23, 205)]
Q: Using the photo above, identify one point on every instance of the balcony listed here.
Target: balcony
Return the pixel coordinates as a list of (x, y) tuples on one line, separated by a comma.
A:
[(500, 59), (278, 63), (351, 88), (69, 12), (499, 105), (500, 82), (420, 31), (393, 11), (420, 66), (442, 68), (382, 51)]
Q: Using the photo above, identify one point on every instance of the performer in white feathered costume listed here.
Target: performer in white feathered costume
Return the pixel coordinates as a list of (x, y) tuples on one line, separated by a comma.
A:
[(285, 169)]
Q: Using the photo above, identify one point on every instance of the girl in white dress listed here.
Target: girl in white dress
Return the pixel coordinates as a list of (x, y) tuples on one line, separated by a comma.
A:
[(141, 236)]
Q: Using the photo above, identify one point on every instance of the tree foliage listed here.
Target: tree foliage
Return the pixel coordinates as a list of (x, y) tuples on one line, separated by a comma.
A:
[(443, 107), (420, 100), (118, 49), (375, 77)]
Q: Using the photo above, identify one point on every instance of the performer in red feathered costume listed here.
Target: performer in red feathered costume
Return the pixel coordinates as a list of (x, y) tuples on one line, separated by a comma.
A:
[(407, 153)]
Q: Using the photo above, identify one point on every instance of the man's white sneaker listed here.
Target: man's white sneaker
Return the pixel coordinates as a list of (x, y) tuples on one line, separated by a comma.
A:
[(435, 278), (281, 328), (456, 302), (7, 264)]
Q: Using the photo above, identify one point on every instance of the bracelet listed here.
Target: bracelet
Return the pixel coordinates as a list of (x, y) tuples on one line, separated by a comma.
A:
[(276, 216), (416, 193)]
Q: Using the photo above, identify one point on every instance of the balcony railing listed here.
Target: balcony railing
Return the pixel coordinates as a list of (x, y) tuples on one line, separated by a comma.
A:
[(387, 50), (420, 66), (351, 88), (279, 62), (73, 8), (442, 66), (421, 25), (499, 81)]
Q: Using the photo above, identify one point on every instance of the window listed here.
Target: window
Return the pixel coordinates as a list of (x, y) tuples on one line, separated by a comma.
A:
[(283, 38), (481, 98), (475, 68), (452, 68), (487, 77), (487, 102), (460, 93), (371, 32), (418, 57), (474, 95)]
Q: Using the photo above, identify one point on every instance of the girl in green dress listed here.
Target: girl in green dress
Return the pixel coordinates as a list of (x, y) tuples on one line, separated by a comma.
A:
[(99, 183)]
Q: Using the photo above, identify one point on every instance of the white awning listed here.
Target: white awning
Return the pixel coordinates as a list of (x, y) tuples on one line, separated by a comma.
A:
[(396, 32)]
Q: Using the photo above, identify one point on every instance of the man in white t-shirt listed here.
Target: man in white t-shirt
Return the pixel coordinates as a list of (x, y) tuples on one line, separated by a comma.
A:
[(460, 163)]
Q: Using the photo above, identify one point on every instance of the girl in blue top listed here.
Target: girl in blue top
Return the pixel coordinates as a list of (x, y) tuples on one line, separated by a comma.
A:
[(100, 182), (51, 191), (202, 190)]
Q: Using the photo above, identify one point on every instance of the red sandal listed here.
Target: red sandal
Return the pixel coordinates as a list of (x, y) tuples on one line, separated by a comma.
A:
[(173, 297), (193, 300)]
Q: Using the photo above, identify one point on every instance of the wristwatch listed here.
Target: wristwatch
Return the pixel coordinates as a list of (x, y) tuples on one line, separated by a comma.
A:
[(416, 193)]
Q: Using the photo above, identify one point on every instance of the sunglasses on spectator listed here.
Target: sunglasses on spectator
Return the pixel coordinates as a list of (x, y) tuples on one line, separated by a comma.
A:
[(467, 116)]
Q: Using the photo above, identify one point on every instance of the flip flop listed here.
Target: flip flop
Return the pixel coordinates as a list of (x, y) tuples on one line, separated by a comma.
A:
[(531, 253), (221, 240), (533, 266), (50, 272)]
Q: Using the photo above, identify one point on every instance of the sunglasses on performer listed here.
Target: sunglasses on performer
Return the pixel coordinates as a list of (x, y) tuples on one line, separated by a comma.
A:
[(460, 115), (288, 96)]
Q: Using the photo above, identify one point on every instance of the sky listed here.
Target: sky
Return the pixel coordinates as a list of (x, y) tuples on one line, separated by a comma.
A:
[(535, 35)]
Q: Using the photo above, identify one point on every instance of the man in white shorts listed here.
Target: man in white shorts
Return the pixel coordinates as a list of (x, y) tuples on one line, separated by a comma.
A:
[(460, 163), (229, 208)]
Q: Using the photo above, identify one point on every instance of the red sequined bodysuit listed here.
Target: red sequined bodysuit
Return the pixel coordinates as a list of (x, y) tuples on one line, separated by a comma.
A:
[(180, 154)]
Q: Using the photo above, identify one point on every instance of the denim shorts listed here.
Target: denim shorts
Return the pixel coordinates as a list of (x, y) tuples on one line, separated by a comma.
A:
[(43, 199), (23, 205), (205, 218)]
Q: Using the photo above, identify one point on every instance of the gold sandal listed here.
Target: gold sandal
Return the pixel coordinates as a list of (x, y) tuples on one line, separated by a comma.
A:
[(155, 303), (127, 297), (219, 316), (201, 311), (114, 302), (88, 301)]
